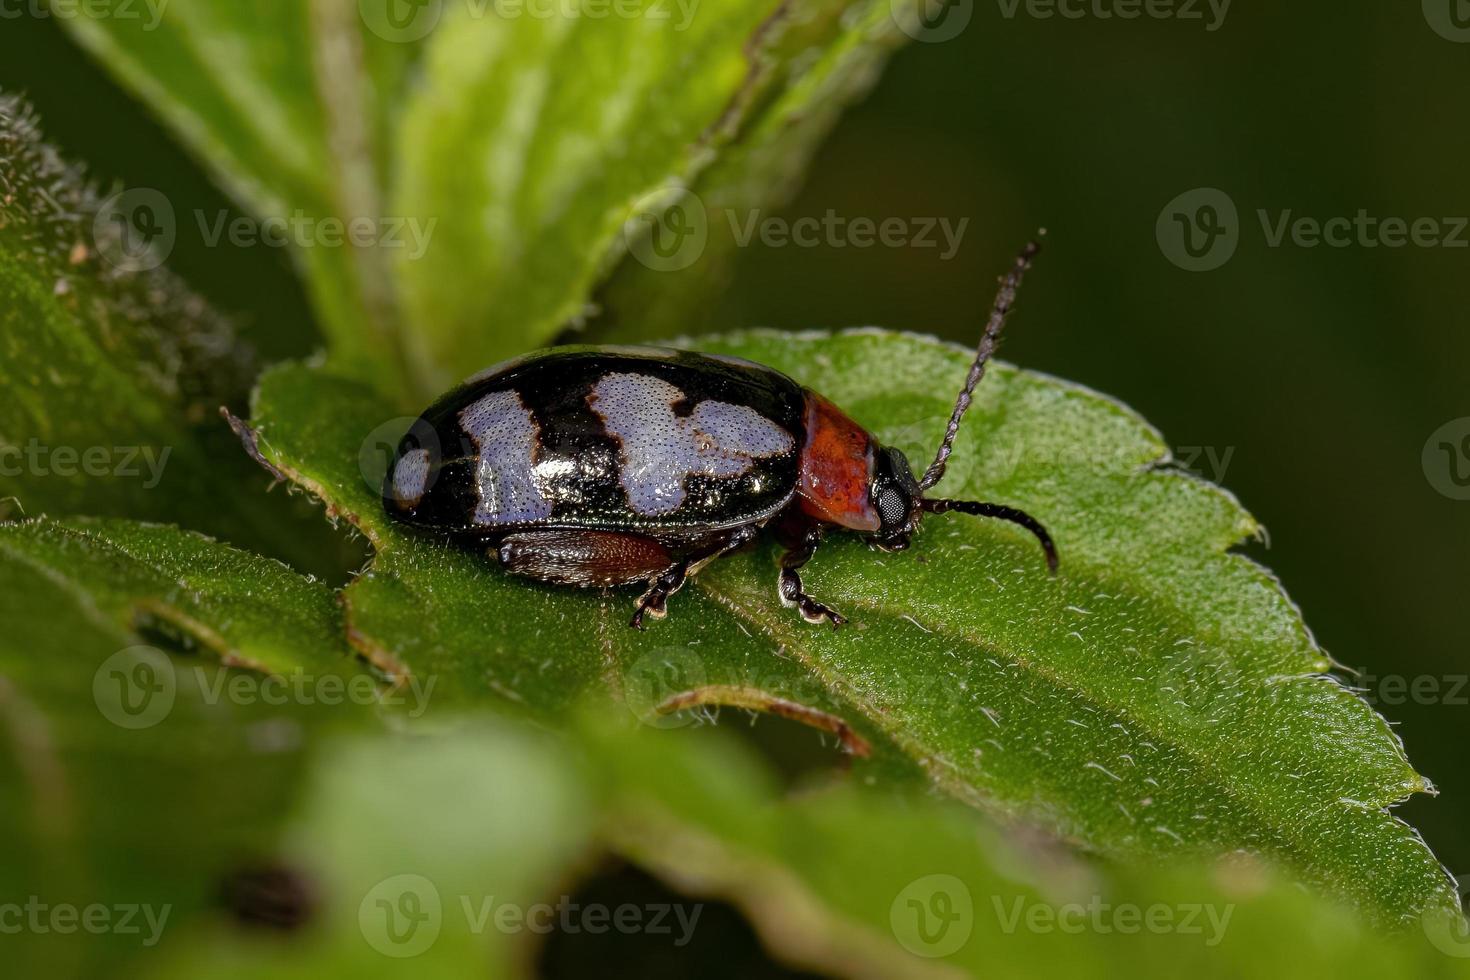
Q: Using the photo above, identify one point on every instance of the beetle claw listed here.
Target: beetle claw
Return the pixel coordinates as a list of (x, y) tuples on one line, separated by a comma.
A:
[(815, 612), (653, 603)]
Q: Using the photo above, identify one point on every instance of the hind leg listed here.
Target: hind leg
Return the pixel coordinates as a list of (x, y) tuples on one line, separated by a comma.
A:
[(654, 602)]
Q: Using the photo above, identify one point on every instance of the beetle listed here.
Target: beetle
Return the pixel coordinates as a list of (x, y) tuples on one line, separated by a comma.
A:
[(613, 466)]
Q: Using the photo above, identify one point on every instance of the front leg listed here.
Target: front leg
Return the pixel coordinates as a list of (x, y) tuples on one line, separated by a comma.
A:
[(789, 586)]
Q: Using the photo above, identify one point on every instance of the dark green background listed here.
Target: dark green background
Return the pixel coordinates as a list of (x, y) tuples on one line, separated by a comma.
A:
[(1324, 369)]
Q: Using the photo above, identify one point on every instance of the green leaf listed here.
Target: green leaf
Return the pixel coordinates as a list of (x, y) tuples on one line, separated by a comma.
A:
[(487, 818), (518, 156), (757, 171), (158, 811), (278, 97), (544, 148), (113, 370), (245, 610), (1161, 697), (139, 770)]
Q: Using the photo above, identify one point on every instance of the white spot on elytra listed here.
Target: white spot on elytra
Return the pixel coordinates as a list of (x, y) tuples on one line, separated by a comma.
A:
[(503, 429), (660, 450), (410, 476)]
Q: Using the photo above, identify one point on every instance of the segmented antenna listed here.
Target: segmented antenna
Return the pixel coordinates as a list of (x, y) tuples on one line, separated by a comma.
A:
[(1005, 299)]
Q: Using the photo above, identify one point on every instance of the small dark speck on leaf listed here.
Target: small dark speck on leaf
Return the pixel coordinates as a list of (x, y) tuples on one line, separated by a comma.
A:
[(268, 896)]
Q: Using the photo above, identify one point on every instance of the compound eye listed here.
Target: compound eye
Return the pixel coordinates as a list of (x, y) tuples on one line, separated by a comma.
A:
[(891, 507)]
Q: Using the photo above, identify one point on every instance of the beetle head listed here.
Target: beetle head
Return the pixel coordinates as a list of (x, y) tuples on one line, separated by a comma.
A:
[(897, 499)]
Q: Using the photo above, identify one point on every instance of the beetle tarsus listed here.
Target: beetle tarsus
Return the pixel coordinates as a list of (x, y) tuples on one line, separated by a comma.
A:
[(655, 601), (811, 610), (789, 585)]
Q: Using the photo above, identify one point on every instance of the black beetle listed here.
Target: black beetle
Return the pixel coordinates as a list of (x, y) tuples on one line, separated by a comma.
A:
[(603, 466)]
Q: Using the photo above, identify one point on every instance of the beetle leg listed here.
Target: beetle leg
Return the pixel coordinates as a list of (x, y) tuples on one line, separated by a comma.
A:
[(654, 602), (789, 585)]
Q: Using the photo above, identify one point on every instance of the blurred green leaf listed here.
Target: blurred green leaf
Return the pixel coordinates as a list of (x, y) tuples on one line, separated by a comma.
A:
[(756, 172), (245, 610), (460, 841), (279, 98), (475, 859), (548, 147), (139, 773), (113, 370), (1161, 697), (514, 157), (407, 844)]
